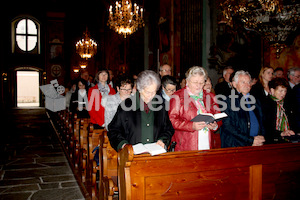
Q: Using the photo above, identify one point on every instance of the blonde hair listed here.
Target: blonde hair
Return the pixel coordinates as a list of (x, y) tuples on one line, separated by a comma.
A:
[(196, 70), (262, 70)]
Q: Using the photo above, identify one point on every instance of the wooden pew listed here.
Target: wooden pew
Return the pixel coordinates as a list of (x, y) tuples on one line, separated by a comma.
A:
[(108, 168), (84, 150), (68, 131), (93, 168), (267, 172), (76, 139)]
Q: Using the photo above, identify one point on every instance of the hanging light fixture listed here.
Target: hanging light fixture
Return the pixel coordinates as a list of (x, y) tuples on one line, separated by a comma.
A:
[(270, 18), (86, 47), (125, 19), (83, 64)]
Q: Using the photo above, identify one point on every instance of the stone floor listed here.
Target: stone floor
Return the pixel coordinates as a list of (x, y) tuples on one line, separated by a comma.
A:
[(32, 162)]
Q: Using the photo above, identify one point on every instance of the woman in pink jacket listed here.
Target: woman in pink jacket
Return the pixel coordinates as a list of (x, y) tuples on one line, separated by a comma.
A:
[(188, 103)]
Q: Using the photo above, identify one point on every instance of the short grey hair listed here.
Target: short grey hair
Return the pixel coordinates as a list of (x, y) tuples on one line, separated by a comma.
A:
[(196, 70), (238, 73), (146, 78), (292, 71)]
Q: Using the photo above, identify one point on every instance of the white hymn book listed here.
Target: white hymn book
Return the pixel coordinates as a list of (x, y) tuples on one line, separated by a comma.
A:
[(152, 148)]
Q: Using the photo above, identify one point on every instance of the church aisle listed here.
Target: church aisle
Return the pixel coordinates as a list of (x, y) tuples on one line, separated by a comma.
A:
[(32, 162)]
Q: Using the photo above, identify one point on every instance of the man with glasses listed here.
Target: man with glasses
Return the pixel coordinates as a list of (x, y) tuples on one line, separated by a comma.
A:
[(165, 70), (111, 102)]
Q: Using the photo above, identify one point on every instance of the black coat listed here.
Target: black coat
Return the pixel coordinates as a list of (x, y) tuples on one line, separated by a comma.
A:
[(74, 106), (126, 125), (235, 130), (223, 88), (270, 108), (258, 92), (296, 108)]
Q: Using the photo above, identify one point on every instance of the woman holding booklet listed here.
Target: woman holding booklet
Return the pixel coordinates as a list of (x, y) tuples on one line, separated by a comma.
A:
[(143, 117), (190, 101)]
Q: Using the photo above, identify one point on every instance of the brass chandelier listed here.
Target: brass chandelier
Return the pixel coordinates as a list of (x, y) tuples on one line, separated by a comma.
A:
[(125, 19), (270, 18), (86, 47)]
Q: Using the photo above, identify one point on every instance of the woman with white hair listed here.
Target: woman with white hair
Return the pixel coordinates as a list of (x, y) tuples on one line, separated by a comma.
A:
[(187, 104), (141, 118)]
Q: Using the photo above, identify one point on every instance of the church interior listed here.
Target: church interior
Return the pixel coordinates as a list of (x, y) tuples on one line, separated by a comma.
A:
[(40, 44)]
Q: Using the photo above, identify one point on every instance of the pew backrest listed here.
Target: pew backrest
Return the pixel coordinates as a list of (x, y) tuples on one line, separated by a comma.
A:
[(94, 135), (110, 158), (232, 173)]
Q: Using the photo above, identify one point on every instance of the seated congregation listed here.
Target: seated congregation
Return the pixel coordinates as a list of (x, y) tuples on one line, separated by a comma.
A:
[(150, 110)]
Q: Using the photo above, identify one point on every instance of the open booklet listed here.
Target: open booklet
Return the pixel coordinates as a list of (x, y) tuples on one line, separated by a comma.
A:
[(152, 148), (208, 117)]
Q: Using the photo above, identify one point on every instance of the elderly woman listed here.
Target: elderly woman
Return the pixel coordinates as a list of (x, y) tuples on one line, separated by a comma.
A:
[(111, 102), (141, 118), (95, 94), (193, 100), (279, 116)]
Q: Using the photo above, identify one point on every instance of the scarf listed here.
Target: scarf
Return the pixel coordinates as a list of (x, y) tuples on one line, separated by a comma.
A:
[(282, 123), (198, 99), (199, 103), (104, 89)]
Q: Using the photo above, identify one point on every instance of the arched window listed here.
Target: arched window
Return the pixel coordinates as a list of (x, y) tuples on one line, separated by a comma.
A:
[(25, 36)]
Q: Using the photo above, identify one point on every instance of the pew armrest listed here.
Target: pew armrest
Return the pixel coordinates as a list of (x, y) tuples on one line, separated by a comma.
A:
[(125, 157)]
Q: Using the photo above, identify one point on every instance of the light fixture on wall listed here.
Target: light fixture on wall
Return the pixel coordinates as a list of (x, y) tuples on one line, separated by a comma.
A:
[(273, 19), (76, 70), (125, 19), (86, 47), (44, 75), (4, 76), (83, 64)]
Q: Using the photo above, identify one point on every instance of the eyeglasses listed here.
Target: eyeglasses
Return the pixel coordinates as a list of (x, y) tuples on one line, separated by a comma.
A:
[(169, 90), (165, 70), (197, 83), (149, 92), (126, 90)]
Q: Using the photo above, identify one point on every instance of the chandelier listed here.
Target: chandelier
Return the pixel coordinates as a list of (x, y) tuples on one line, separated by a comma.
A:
[(270, 18), (125, 19), (86, 47)]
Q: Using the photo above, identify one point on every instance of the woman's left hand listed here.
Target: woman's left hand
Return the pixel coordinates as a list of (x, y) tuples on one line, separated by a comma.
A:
[(212, 126), (287, 133), (160, 143)]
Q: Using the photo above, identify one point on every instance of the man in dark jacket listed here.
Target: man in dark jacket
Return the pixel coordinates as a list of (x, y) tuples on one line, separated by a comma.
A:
[(243, 126), (225, 87)]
